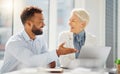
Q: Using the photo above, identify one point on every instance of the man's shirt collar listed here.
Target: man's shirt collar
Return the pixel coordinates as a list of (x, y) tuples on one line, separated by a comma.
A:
[(26, 36)]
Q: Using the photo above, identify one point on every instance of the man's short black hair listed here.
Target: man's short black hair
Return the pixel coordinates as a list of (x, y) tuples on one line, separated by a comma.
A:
[(28, 12)]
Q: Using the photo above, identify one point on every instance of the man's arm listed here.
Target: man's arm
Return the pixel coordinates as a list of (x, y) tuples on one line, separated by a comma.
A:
[(28, 58), (25, 56)]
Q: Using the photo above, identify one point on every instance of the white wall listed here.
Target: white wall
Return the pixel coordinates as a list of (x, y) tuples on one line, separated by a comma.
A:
[(80, 3), (52, 24), (96, 26), (18, 7)]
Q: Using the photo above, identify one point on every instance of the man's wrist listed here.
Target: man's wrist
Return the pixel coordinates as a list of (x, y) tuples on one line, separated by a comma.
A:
[(58, 53)]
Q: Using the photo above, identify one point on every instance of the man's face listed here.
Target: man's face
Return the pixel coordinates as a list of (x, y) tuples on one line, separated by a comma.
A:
[(38, 23)]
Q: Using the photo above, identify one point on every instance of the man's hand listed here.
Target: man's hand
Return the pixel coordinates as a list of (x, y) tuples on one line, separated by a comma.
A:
[(63, 50), (52, 64)]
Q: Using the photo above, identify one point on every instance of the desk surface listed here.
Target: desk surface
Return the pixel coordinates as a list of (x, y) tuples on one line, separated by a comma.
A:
[(65, 71)]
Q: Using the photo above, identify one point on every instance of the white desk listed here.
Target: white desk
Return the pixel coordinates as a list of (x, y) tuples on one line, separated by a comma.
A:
[(42, 71)]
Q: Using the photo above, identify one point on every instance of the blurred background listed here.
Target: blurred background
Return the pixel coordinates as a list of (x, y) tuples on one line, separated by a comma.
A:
[(104, 21)]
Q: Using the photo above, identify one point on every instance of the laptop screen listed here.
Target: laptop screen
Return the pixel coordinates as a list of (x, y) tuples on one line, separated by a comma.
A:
[(93, 56)]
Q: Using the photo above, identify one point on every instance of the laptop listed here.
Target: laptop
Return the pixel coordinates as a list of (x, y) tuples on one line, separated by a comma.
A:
[(93, 57)]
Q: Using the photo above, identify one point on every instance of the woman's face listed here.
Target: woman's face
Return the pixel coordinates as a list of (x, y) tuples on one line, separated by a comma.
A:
[(76, 26)]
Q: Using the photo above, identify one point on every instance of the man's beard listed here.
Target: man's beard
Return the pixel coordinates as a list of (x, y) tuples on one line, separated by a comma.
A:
[(37, 31)]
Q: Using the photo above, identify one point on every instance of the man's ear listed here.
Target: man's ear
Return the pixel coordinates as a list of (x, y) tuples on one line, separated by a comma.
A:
[(29, 24)]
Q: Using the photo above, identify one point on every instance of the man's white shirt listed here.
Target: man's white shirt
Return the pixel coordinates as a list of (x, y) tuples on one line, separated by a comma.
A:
[(22, 52)]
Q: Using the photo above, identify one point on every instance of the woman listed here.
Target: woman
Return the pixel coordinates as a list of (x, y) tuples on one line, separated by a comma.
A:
[(76, 37)]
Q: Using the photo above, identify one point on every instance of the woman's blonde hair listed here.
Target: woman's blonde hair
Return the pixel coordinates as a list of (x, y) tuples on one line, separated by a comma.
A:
[(82, 14)]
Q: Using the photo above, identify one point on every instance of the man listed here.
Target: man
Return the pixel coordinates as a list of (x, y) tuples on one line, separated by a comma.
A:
[(27, 49)]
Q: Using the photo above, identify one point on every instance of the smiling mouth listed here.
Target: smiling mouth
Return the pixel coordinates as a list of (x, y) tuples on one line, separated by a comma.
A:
[(41, 27)]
